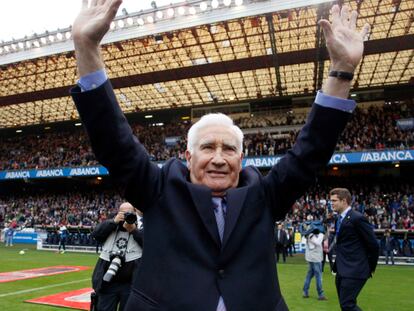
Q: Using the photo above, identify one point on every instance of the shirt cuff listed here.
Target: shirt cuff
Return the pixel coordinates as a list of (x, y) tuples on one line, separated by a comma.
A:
[(92, 80), (347, 105)]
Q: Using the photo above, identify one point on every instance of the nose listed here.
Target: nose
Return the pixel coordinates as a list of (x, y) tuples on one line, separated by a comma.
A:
[(218, 159)]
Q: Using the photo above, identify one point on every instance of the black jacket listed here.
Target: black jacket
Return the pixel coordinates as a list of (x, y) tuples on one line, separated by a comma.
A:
[(357, 248), (185, 266), (126, 272)]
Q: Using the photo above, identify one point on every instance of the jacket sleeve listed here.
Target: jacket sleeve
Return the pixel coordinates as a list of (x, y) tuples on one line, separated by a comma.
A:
[(138, 236), (316, 239), (116, 147), (366, 233), (296, 171), (103, 230)]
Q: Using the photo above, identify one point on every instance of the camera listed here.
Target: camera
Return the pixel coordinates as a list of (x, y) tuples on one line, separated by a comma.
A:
[(309, 227), (116, 262), (130, 217)]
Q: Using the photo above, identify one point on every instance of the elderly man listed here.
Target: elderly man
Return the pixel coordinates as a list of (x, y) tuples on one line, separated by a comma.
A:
[(209, 225)]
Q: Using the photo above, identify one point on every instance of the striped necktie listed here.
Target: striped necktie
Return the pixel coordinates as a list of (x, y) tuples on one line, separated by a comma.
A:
[(220, 213), (338, 224)]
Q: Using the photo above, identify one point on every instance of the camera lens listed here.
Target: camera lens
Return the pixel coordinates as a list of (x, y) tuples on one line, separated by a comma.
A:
[(130, 218), (113, 269)]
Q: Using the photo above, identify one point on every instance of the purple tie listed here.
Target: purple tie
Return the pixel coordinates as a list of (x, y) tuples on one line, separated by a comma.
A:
[(220, 213)]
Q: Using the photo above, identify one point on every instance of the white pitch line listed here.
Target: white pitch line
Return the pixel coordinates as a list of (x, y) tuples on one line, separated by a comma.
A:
[(43, 287)]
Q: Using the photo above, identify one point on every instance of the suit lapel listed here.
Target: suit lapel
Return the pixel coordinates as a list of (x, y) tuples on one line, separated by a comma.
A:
[(235, 199), (201, 196)]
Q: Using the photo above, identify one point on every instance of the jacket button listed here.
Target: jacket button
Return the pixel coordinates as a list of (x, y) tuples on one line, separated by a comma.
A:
[(221, 273)]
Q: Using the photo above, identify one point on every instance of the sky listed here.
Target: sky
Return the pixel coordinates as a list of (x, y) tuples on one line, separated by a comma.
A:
[(20, 18)]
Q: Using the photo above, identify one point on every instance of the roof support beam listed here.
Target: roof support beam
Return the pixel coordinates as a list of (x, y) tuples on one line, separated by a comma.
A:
[(269, 20), (322, 13)]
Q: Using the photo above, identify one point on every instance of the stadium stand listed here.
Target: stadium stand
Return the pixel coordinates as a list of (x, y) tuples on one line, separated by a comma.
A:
[(373, 128)]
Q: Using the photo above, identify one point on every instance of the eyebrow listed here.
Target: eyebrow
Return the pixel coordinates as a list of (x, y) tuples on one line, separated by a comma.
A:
[(211, 142)]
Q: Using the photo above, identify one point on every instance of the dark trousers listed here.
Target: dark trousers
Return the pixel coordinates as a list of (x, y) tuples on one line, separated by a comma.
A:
[(280, 249), (112, 294), (387, 255), (62, 243), (348, 290), (324, 260), (290, 249)]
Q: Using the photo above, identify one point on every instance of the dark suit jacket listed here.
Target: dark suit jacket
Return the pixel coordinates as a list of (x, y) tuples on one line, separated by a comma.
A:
[(185, 267), (394, 245), (282, 238), (356, 247)]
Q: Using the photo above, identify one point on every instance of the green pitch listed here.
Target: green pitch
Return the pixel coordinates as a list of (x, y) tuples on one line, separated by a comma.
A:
[(391, 289)]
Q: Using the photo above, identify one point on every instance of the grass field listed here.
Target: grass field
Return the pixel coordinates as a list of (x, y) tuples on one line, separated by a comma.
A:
[(391, 289)]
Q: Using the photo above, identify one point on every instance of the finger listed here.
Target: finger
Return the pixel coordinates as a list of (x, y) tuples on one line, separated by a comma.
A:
[(345, 16), (100, 2), (327, 29), (365, 32), (336, 19), (353, 20), (93, 3), (112, 8), (84, 4)]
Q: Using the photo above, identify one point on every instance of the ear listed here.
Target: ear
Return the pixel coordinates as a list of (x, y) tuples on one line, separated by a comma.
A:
[(241, 161), (188, 158)]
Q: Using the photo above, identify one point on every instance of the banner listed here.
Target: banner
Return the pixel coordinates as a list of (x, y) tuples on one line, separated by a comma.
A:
[(54, 172), (405, 124), (260, 162), (25, 237)]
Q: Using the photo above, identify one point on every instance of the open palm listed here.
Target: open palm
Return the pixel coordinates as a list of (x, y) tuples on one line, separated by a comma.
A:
[(344, 43), (94, 20)]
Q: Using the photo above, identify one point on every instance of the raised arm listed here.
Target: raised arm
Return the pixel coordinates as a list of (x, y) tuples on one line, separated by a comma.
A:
[(345, 46), (90, 26), (316, 142), (112, 139)]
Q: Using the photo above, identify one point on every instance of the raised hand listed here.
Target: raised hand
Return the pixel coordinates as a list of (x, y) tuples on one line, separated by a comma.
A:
[(94, 20), (345, 44), (88, 29)]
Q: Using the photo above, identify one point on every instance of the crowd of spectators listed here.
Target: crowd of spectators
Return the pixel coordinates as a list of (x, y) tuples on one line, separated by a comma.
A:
[(387, 206), (83, 209), (62, 149), (372, 128)]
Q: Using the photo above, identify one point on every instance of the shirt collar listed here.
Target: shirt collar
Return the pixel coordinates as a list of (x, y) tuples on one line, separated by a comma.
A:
[(343, 214)]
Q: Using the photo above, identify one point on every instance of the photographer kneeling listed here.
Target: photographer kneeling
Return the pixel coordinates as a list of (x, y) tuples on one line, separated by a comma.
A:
[(120, 257)]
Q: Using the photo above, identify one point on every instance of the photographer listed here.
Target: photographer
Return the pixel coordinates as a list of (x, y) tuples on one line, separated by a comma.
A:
[(313, 255), (120, 257)]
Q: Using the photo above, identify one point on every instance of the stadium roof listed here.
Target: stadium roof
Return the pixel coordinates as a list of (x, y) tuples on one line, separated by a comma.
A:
[(261, 49)]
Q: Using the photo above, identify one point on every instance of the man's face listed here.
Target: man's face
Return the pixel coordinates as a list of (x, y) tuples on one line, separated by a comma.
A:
[(216, 160), (338, 205)]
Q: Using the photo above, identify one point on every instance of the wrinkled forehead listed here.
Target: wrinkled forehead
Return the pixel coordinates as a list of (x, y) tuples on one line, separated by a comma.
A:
[(217, 134)]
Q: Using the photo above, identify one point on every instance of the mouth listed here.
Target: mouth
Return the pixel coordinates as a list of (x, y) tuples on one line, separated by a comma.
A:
[(217, 173)]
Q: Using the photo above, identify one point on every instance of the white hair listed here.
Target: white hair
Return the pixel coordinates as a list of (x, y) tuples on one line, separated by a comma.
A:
[(212, 119)]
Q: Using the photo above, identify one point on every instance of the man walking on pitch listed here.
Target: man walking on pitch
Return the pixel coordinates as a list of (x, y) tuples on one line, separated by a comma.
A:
[(356, 250)]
